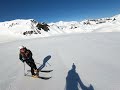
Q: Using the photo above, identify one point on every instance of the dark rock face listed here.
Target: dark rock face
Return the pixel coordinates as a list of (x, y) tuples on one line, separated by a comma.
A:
[(43, 25), (39, 26)]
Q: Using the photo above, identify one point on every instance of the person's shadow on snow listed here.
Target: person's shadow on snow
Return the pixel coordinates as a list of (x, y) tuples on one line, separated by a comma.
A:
[(73, 81), (45, 60)]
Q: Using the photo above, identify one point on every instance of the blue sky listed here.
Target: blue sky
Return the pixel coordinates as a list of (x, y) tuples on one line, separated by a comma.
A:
[(57, 10)]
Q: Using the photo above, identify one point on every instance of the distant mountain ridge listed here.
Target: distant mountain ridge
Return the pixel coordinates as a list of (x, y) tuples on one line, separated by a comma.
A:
[(24, 27), (31, 27)]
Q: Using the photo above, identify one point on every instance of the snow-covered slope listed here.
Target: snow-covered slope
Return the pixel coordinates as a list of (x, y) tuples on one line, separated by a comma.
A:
[(93, 25), (21, 29), (95, 56), (20, 26)]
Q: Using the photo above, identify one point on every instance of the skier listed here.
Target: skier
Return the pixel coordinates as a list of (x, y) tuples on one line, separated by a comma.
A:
[(25, 55)]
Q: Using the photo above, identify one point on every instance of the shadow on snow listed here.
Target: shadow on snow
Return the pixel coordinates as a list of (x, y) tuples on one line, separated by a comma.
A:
[(73, 81), (44, 62)]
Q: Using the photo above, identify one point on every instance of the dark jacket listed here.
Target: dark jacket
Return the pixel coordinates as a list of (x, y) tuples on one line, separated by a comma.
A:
[(26, 56)]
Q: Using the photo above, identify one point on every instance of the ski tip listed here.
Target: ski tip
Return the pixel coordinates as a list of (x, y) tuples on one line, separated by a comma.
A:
[(46, 70), (45, 78)]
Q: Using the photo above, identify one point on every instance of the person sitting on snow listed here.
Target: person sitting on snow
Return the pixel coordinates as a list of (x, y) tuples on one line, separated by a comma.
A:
[(25, 55)]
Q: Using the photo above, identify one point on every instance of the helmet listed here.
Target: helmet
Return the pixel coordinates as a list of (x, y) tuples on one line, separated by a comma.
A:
[(20, 47)]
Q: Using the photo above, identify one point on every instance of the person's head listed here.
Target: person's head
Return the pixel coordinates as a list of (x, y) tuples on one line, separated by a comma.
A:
[(73, 67), (22, 49)]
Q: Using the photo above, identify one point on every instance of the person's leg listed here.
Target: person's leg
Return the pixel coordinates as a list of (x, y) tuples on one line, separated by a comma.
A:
[(35, 70), (32, 67), (32, 71)]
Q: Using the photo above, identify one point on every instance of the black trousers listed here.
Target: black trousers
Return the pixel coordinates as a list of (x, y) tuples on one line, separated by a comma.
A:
[(31, 63)]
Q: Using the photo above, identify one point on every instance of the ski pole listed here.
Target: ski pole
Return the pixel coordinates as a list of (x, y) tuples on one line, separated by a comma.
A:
[(24, 69), (48, 63)]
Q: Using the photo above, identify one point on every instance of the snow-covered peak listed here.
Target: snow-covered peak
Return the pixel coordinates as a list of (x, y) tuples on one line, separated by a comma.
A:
[(108, 24), (65, 23), (18, 22), (30, 27), (22, 26)]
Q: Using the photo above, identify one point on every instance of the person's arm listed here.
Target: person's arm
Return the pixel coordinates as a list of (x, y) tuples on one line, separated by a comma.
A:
[(21, 58)]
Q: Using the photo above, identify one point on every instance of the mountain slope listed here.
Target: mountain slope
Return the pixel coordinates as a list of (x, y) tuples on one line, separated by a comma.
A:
[(20, 26), (22, 29), (93, 25)]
